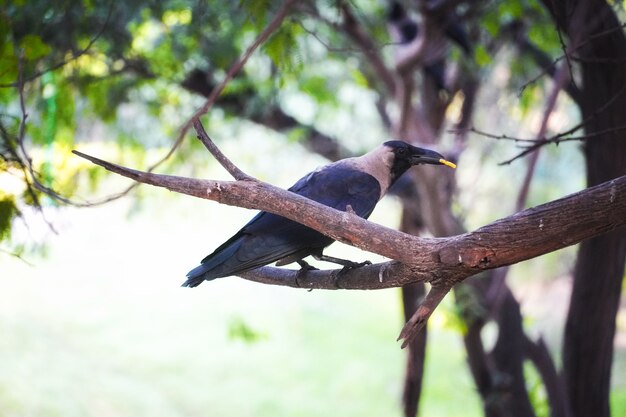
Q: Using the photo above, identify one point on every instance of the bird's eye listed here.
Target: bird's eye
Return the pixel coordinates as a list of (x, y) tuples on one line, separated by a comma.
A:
[(402, 151)]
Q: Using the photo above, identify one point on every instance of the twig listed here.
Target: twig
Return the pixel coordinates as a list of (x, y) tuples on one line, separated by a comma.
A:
[(422, 314), (329, 48), (541, 59), (584, 42), (556, 139), (221, 158), (534, 144), (493, 135), (565, 50), (32, 177), (16, 255), (599, 110), (25, 160), (559, 80), (237, 65)]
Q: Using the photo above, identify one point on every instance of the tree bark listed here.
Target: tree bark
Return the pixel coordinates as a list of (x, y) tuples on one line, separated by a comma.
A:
[(599, 45), (414, 372), (412, 295), (441, 261)]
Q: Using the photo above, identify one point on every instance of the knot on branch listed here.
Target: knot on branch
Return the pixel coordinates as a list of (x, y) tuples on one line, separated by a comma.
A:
[(475, 257), (215, 189)]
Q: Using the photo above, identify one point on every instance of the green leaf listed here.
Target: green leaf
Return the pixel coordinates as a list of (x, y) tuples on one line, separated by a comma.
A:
[(282, 48), (8, 211), (510, 10), (318, 88), (482, 56), (33, 47), (359, 78), (544, 36), (238, 329), (491, 23)]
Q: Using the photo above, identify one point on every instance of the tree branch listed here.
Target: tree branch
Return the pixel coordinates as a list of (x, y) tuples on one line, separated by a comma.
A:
[(422, 314), (235, 67), (560, 78), (354, 30), (441, 261), (271, 115), (271, 27), (221, 158), (539, 355), (524, 235)]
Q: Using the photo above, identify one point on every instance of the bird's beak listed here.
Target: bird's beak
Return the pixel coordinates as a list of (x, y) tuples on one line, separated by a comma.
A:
[(426, 156)]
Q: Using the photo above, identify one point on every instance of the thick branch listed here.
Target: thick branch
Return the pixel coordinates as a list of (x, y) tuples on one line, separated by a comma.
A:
[(372, 277), (271, 115), (342, 226), (443, 261)]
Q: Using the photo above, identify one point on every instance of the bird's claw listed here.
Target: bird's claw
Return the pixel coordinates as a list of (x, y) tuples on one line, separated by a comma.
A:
[(304, 268), (346, 268), (354, 265)]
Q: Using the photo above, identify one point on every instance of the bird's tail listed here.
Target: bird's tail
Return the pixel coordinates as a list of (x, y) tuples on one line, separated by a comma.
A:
[(213, 266), (195, 277)]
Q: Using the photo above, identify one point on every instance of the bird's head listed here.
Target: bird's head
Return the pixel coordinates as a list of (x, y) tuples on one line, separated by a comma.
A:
[(405, 156)]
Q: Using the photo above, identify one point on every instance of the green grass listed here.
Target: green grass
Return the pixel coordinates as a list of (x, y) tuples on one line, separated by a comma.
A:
[(101, 327)]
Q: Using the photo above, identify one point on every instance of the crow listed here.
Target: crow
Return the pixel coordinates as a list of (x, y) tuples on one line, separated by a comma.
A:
[(355, 184)]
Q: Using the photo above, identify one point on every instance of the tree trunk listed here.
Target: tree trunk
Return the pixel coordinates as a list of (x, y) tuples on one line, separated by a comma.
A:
[(598, 42), (411, 297)]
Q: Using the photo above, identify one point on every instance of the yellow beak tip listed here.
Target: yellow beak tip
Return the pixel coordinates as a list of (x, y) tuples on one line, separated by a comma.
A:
[(447, 163)]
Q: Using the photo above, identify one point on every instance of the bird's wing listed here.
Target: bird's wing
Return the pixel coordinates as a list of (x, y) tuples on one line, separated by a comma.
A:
[(265, 239), (339, 186), (271, 237), (268, 237)]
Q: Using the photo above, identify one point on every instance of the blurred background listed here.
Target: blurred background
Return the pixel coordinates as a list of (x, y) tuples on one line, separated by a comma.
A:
[(93, 321)]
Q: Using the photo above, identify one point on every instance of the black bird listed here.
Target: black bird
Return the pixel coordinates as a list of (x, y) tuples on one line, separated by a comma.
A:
[(356, 182)]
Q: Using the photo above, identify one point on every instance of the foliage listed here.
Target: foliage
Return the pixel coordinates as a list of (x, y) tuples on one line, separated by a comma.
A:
[(89, 63), (8, 211), (239, 329)]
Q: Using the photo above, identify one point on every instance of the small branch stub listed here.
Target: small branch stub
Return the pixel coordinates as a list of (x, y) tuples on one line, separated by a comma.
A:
[(228, 165)]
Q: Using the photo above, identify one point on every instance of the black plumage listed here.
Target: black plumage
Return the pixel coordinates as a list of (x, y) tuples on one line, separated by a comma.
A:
[(355, 182)]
